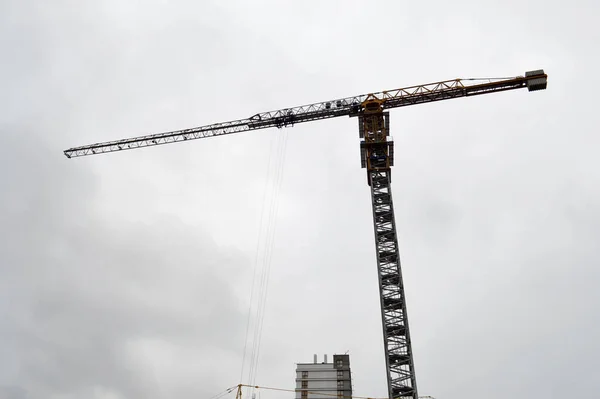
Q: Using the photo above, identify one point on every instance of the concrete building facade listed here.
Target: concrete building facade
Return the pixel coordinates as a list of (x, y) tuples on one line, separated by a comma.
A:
[(324, 380)]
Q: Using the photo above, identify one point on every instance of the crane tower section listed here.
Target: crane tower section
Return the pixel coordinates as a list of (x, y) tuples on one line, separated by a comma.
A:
[(377, 156)]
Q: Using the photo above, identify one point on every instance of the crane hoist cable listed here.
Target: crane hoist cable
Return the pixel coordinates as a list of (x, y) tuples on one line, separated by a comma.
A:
[(256, 256), (265, 250), (271, 245), (377, 157)]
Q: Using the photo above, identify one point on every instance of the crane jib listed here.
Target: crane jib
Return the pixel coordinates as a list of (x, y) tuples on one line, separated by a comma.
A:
[(350, 106)]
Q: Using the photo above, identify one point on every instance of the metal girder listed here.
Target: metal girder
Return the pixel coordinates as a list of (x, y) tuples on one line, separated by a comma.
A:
[(396, 335), (377, 158), (349, 106)]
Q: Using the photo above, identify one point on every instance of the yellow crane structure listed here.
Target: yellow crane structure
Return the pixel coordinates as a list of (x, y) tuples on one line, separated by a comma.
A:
[(377, 157)]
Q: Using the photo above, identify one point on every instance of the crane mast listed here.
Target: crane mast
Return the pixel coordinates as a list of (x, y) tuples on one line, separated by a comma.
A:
[(377, 157)]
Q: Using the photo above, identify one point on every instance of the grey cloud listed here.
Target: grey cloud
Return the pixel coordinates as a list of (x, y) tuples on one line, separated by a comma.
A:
[(81, 289), (128, 275)]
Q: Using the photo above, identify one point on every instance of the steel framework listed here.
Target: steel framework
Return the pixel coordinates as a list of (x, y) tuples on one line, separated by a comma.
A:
[(377, 156), (396, 335), (349, 106)]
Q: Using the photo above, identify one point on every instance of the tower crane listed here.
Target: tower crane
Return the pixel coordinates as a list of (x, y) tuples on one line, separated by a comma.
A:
[(377, 157)]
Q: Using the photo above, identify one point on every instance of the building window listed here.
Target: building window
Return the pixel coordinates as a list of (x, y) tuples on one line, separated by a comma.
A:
[(304, 394), (340, 384), (340, 394), (305, 374), (304, 384), (339, 363), (340, 373)]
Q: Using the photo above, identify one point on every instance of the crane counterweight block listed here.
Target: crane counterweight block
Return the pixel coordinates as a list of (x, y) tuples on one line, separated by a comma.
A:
[(538, 80)]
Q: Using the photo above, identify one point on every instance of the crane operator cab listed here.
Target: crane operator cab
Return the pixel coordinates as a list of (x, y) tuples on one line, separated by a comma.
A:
[(378, 160)]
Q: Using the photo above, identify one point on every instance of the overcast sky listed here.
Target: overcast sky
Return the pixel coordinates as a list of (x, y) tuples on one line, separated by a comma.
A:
[(129, 275)]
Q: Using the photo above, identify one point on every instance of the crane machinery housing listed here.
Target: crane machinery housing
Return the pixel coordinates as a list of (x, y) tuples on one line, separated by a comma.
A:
[(377, 157)]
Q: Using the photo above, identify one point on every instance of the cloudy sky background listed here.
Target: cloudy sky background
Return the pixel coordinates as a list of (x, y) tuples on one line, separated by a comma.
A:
[(129, 275)]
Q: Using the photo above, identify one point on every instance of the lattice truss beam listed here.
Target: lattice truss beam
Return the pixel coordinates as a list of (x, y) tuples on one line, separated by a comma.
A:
[(397, 344), (349, 106), (377, 158)]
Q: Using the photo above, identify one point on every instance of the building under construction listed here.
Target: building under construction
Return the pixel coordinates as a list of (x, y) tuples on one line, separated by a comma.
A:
[(323, 380)]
